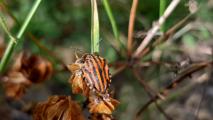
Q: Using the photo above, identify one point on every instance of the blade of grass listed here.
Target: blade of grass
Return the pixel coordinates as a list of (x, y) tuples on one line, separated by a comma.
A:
[(5, 28), (94, 28), (12, 44), (162, 9), (33, 38), (112, 21)]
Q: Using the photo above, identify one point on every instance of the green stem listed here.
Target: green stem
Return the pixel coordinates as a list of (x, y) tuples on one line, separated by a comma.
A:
[(12, 44), (162, 9), (112, 20), (94, 28)]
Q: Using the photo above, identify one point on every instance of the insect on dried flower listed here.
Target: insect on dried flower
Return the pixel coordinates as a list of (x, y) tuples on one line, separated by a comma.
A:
[(91, 78), (92, 70)]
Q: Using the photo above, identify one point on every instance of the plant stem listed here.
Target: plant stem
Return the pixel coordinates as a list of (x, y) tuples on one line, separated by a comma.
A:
[(112, 21), (131, 27), (94, 28), (162, 9), (12, 44)]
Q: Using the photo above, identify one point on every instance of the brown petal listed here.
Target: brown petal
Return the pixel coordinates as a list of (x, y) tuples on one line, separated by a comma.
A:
[(78, 85), (102, 106), (58, 108)]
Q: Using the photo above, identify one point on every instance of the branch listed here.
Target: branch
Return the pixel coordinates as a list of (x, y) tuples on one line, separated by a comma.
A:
[(131, 26), (186, 73), (155, 28)]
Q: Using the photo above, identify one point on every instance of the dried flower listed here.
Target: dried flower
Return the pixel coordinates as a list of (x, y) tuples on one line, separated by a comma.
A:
[(58, 108), (25, 71)]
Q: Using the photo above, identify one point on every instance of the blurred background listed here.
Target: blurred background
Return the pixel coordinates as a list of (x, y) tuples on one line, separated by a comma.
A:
[(63, 27)]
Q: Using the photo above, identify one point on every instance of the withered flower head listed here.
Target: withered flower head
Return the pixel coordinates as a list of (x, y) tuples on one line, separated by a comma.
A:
[(58, 108), (25, 71), (35, 68)]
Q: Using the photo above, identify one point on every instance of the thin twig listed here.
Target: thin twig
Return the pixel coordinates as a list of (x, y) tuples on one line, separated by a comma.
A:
[(190, 70), (162, 111), (131, 26), (203, 97), (165, 37), (155, 28), (151, 92), (201, 100)]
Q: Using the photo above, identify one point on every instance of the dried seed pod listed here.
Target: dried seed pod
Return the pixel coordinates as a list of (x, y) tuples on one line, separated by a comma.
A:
[(25, 71), (35, 68), (58, 108)]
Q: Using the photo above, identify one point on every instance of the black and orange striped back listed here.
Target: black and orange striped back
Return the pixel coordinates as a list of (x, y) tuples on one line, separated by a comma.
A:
[(96, 73)]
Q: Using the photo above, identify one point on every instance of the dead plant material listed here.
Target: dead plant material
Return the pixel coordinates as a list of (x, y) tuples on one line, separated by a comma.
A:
[(58, 108), (26, 70), (98, 105), (15, 85), (101, 117)]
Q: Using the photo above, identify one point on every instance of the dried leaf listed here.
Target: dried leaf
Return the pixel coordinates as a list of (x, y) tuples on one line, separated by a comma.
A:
[(101, 106), (58, 108)]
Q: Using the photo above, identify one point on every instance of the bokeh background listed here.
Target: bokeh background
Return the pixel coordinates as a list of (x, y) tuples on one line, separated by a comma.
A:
[(63, 27)]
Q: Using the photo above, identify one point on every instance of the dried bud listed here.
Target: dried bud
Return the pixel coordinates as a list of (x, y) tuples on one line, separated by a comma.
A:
[(58, 108)]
